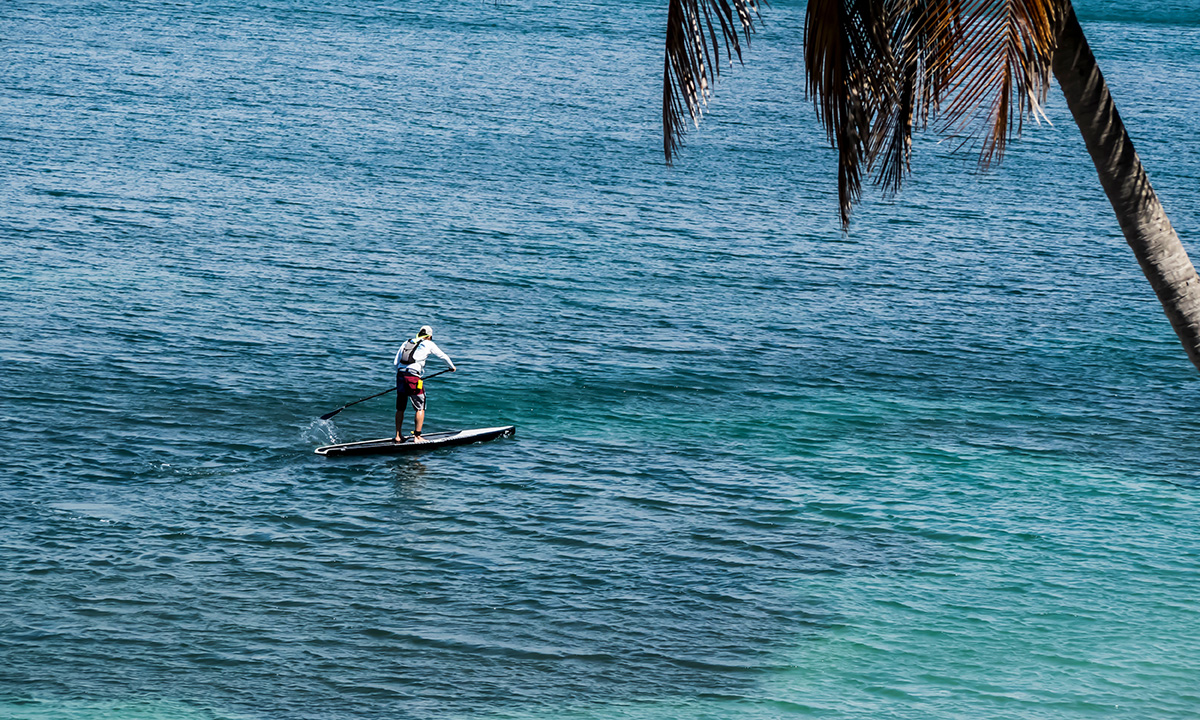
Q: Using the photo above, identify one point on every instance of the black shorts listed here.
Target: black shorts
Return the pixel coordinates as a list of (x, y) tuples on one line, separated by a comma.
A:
[(409, 387)]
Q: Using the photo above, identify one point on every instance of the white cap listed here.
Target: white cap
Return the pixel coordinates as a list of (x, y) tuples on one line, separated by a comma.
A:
[(426, 331)]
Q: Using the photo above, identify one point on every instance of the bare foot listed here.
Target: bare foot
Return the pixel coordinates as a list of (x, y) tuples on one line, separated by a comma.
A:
[(398, 438), (418, 438)]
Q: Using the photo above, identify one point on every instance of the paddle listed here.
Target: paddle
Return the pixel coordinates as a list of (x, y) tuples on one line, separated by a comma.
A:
[(328, 415)]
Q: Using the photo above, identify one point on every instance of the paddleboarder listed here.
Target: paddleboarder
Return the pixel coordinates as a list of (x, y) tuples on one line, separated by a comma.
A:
[(410, 363)]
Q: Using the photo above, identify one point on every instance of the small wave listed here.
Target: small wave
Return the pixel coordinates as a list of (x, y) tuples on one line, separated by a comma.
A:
[(321, 432)]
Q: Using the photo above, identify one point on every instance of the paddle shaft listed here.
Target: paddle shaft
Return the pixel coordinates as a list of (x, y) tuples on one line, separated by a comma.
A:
[(326, 416)]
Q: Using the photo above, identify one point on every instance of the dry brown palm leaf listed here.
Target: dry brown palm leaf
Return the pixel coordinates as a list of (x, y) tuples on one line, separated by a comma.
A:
[(1001, 70), (921, 34), (697, 31), (877, 68)]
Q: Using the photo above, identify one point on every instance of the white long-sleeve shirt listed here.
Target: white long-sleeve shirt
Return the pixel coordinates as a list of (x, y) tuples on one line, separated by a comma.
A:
[(423, 351)]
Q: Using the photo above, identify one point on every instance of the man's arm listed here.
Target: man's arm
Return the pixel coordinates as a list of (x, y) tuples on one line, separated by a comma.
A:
[(444, 357)]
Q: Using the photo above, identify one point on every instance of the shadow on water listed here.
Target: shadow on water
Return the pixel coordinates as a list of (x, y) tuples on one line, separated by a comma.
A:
[(408, 478)]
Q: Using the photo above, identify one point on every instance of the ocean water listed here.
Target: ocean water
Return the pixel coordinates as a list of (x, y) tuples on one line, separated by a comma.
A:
[(941, 466)]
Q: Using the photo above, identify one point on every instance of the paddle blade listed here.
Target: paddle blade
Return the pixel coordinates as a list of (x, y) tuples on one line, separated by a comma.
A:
[(328, 415)]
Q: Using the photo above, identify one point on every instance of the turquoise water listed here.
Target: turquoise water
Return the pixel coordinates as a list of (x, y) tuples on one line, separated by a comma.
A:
[(940, 467)]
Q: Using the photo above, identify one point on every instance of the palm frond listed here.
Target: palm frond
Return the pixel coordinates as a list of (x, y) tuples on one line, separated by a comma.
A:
[(922, 34), (877, 68), (849, 55), (1002, 71), (693, 58)]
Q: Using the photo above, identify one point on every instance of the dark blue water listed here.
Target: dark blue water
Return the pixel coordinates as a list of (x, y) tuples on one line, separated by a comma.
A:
[(943, 466)]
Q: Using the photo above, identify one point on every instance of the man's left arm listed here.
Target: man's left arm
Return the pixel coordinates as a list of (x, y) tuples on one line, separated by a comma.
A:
[(444, 357)]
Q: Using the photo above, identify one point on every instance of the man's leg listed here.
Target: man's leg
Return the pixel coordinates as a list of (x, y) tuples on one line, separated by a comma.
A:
[(418, 402), (401, 405), (420, 421)]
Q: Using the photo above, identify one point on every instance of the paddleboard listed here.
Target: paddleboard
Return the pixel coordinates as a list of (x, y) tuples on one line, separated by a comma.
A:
[(433, 441)]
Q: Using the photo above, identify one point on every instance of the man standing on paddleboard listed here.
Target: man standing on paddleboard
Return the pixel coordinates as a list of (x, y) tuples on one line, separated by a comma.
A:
[(410, 362)]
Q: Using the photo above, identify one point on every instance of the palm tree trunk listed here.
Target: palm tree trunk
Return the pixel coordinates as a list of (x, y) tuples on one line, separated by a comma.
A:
[(1142, 219)]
